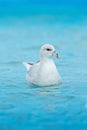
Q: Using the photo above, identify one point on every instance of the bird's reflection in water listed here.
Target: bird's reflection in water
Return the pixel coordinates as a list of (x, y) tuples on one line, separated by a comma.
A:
[(44, 90)]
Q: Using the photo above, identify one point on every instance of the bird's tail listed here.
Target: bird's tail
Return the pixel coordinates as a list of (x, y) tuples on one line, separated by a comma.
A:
[(27, 65)]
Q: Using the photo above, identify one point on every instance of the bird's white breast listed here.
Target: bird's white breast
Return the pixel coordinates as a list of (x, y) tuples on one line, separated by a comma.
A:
[(48, 74)]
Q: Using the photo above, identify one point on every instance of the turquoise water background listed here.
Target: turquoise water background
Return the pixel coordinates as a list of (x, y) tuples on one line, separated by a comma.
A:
[(24, 27)]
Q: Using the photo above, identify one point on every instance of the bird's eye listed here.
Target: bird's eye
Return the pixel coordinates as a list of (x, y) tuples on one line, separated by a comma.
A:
[(48, 49)]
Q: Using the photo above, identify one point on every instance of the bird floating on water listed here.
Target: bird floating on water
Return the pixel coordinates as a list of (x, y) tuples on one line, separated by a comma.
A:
[(44, 72)]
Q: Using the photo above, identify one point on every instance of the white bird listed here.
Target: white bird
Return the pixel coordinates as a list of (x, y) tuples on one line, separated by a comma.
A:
[(44, 72)]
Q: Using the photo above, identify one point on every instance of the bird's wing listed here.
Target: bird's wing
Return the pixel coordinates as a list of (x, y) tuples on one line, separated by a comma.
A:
[(29, 65)]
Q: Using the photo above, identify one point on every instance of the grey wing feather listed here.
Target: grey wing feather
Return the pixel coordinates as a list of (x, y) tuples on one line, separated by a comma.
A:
[(29, 65)]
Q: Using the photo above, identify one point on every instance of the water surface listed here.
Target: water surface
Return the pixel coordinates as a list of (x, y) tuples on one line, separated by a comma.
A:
[(23, 106)]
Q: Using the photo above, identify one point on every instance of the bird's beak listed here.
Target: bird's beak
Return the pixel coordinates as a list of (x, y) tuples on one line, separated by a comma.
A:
[(57, 55)]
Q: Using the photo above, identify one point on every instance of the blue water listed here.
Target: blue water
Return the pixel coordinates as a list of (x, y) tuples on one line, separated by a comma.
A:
[(23, 29)]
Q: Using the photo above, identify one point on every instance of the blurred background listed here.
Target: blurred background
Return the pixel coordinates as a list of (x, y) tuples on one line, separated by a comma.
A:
[(32, 23), (25, 26)]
